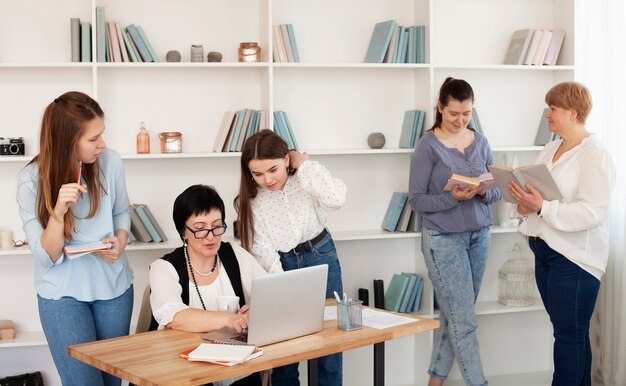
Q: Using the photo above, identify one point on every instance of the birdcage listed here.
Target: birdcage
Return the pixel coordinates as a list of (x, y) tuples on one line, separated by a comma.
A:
[(517, 280)]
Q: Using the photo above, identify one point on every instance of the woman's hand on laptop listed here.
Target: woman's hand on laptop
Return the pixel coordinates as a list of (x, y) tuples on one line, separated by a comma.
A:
[(239, 322), (244, 309)]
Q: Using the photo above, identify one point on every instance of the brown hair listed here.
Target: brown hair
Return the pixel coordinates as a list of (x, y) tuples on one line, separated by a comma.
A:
[(451, 88), (61, 127), (261, 146), (571, 96)]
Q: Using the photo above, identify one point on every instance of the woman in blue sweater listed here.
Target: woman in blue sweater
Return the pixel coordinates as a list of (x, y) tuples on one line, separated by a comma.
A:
[(455, 227)]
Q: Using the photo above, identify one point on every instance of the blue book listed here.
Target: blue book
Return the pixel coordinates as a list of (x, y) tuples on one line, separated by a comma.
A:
[(85, 42), (292, 41), (379, 43), (404, 47), (241, 116), (407, 129), (129, 46), (139, 43), (281, 129), (420, 126), (406, 298), (289, 130), (153, 54), (101, 43), (421, 44), (418, 295), (396, 54), (395, 292), (394, 210)]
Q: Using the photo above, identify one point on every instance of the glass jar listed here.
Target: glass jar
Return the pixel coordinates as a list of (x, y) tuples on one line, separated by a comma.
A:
[(143, 140), (171, 142), (249, 52)]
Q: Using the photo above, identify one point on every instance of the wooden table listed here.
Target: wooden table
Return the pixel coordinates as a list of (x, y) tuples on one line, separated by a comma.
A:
[(151, 358)]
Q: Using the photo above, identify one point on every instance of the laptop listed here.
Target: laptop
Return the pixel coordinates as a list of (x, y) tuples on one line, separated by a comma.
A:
[(283, 306)]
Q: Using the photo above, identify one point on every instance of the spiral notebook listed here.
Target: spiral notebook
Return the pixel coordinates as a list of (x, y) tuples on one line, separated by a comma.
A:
[(283, 306)]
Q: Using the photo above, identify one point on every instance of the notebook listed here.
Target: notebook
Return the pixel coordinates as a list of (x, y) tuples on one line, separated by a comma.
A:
[(283, 306)]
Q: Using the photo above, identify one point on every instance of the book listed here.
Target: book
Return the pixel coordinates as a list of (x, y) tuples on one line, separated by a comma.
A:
[(120, 40), (415, 222), (154, 222), (100, 35), (85, 42), (537, 175), (395, 292), (244, 129), (139, 43), (285, 34), (405, 216), (417, 296), (421, 44), (75, 38), (409, 124), (153, 54), (544, 134), (552, 54), (290, 132), (132, 51), (379, 43), (241, 116), (542, 48), (474, 123), (394, 210), (407, 292), (518, 47), (485, 180), (222, 134), (78, 250), (379, 293), (282, 53), (393, 43), (115, 44), (532, 47), (147, 223), (137, 228), (294, 45), (224, 354)]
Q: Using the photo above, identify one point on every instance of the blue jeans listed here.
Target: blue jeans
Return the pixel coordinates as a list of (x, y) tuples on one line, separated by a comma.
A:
[(456, 264), (569, 294), (329, 368), (68, 321)]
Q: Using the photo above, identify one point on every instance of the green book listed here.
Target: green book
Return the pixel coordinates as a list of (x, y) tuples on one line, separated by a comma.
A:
[(146, 222), (395, 292)]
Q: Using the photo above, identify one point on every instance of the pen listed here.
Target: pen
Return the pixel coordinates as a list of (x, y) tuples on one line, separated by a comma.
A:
[(337, 297), (80, 170)]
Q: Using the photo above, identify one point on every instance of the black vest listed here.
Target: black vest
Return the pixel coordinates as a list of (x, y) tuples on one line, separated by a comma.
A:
[(229, 262)]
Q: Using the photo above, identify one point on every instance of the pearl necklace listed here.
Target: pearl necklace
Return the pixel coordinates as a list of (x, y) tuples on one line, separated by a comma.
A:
[(193, 277), (203, 274)]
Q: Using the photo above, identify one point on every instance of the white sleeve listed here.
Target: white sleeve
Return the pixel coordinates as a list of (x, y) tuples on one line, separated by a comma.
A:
[(330, 192), (165, 292), (263, 249), (249, 268)]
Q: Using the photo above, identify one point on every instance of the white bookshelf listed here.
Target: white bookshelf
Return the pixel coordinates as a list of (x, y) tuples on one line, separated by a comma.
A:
[(333, 101)]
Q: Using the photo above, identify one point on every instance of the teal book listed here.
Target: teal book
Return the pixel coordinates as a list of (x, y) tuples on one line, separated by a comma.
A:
[(414, 129), (395, 292), (101, 43), (85, 42), (241, 116), (394, 210), (277, 128), (75, 38), (402, 42), (407, 129), (244, 129), (146, 222), (290, 130), (420, 126), (280, 127), (421, 44), (407, 292), (379, 43), (154, 222), (396, 55), (137, 228), (417, 294), (133, 32), (411, 54), (153, 54), (129, 47), (294, 45)]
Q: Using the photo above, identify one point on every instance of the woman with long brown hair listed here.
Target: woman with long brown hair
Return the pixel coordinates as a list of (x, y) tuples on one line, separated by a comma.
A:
[(282, 204), (73, 192)]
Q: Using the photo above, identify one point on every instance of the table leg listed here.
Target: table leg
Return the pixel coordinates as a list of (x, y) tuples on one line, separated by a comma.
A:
[(312, 371), (379, 364)]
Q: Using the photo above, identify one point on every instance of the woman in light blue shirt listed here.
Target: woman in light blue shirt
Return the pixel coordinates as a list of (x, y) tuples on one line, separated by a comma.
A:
[(73, 192), (455, 228)]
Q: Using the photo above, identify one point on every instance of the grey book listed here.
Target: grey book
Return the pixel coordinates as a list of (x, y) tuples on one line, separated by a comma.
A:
[(537, 175), (136, 226), (415, 222), (75, 36), (403, 222), (518, 47), (154, 222), (543, 132)]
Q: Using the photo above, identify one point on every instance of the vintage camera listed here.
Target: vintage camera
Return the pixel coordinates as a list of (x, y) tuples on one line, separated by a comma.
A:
[(11, 146)]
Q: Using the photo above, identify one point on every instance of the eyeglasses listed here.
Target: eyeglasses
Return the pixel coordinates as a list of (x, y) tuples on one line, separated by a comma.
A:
[(19, 243), (203, 233)]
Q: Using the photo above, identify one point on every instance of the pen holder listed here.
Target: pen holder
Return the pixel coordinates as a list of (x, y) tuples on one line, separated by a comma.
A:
[(350, 315)]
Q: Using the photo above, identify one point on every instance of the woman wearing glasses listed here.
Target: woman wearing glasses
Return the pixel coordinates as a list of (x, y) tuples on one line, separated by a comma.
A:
[(187, 283)]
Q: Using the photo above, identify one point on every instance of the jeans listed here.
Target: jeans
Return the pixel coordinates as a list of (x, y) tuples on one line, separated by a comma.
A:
[(456, 264), (569, 294), (329, 368), (68, 321)]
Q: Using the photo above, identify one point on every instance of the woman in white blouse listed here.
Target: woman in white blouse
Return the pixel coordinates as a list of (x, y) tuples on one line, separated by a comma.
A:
[(282, 204), (187, 283), (569, 237)]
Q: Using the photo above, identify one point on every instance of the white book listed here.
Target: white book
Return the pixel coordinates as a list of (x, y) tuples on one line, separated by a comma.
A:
[(552, 54), (537, 175), (542, 48), (532, 48), (220, 352), (282, 53), (222, 134), (287, 42), (78, 250), (120, 40)]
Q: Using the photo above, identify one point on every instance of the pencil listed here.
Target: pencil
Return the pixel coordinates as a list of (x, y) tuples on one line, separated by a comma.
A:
[(80, 170)]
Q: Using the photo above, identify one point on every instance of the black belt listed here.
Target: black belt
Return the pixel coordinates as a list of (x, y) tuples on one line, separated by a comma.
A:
[(307, 245), (534, 238)]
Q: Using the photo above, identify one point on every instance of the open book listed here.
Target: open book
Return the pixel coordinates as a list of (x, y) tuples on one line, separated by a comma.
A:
[(78, 250), (485, 180), (537, 175), (222, 354)]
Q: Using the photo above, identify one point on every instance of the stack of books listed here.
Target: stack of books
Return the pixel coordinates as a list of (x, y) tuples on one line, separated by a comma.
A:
[(283, 128), (80, 34), (285, 48), (236, 127), (116, 44), (393, 43), (404, 293), (222, 354), (143, 226), (399, 216), (412, 128), (535, 47)]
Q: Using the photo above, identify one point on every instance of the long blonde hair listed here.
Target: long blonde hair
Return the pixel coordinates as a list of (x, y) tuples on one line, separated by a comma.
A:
[(62, 125)]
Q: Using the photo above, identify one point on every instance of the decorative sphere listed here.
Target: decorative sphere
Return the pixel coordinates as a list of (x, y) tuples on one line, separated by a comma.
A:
[(376, 140), (214, 56), (172, 56)]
